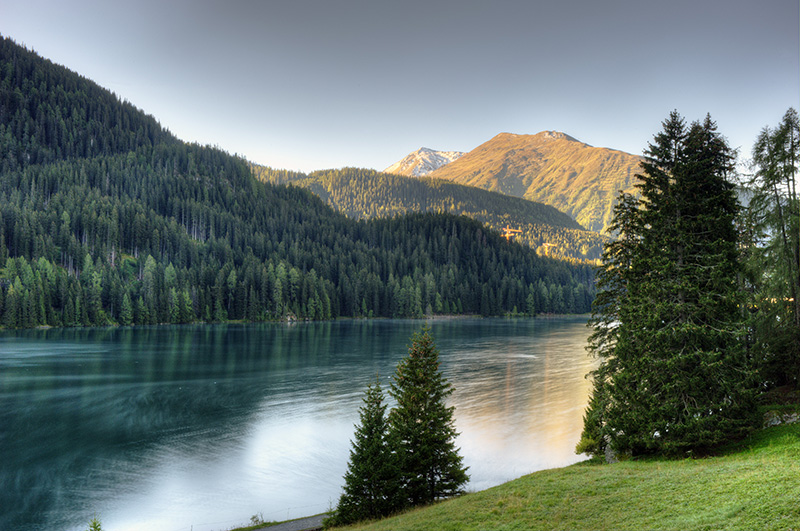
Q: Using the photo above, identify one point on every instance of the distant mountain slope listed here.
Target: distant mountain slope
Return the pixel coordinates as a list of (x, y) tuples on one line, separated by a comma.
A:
[(106, 218), (361, 193), (422, 161), (552, 168)]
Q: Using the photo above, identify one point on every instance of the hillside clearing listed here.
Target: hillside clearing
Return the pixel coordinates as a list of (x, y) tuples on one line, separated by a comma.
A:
[(754, 485)]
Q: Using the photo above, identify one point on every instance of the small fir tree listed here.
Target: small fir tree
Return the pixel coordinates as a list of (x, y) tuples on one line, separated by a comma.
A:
[(95, 525), (370, 489), (422, 427)]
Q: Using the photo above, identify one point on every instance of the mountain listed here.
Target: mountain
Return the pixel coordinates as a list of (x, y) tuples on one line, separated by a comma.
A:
[(423, 161), (107, 218), (366, 194), (551, 168)]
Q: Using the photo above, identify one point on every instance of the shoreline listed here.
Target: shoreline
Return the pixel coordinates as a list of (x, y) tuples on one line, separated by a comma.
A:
[(435, 317), (773, 415)]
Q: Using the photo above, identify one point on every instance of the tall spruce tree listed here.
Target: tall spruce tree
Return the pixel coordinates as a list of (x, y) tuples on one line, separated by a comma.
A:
[(422, 427), (668, 327), (773, 251), (371, 487)]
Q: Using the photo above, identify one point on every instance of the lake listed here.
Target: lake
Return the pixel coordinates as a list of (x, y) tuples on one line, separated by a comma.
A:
[(199, 427)]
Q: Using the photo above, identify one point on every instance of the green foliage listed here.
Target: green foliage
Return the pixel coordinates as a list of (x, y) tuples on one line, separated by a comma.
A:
[(150, 230), (409, 459), (771, 225), (126, 312), (752, 486), (669, 331), (48, 114), (257, 520), (371, 489), (94, 524), (367, 194), (422, 429), (592, 441)]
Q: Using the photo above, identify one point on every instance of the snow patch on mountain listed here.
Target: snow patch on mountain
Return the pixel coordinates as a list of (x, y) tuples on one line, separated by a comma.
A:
[(423, 161)]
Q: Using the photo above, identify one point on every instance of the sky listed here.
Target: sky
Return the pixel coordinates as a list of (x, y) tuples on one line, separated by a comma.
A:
[(316, 84)]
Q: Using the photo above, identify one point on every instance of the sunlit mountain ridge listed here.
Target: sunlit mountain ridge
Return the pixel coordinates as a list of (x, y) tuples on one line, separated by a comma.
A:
[(551, 168)]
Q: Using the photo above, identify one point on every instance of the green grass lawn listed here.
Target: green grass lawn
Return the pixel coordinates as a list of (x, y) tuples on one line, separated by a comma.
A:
[(753, 485)]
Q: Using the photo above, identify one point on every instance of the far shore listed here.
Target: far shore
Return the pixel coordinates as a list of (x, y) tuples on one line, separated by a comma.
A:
[(434, 317)]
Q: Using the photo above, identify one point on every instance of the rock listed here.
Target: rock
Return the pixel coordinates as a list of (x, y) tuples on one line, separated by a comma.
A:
[(775, 418)]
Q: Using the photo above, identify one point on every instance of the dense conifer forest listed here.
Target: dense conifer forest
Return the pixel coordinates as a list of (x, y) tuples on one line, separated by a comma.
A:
[(107, 218), (365, 194)]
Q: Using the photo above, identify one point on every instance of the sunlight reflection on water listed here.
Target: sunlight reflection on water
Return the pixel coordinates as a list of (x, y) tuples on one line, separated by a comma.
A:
[(169, 428)]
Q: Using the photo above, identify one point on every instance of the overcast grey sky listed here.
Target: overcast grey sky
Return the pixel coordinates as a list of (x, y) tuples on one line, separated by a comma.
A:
[(306, 84)]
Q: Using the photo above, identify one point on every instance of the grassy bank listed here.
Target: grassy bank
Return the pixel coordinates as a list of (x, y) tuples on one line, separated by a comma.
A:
[(752, 485)]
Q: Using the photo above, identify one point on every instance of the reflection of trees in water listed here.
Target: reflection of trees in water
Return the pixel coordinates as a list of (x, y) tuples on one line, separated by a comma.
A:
[(86, 411), (99, 399)]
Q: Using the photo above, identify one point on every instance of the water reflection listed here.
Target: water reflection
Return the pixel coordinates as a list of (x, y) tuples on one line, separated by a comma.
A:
[(520, 396), (202, 426)]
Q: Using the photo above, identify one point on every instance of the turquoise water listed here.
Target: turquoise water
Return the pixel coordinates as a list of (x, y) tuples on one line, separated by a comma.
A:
[(200, 427)]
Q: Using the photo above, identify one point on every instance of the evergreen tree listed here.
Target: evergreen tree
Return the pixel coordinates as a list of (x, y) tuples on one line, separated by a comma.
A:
[(150, 290), (110, 203), (69, 313), (95, 525), (220, 315), (772, 224), (142, 315), (674, 374), (371, 488), (126, 313), (172, 305), (12, 308), (185, 307), (422, 427), (530, 302), (611, 283)]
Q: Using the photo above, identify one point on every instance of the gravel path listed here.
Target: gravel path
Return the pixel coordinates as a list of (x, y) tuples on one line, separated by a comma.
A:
[(312, 523)]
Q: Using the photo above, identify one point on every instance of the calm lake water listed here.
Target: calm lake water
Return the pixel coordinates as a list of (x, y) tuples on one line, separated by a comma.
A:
[(200, 427)]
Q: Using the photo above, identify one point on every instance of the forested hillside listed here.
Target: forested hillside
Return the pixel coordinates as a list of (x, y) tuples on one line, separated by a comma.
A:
[(48, 114), (365, 194), (106, 218)]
